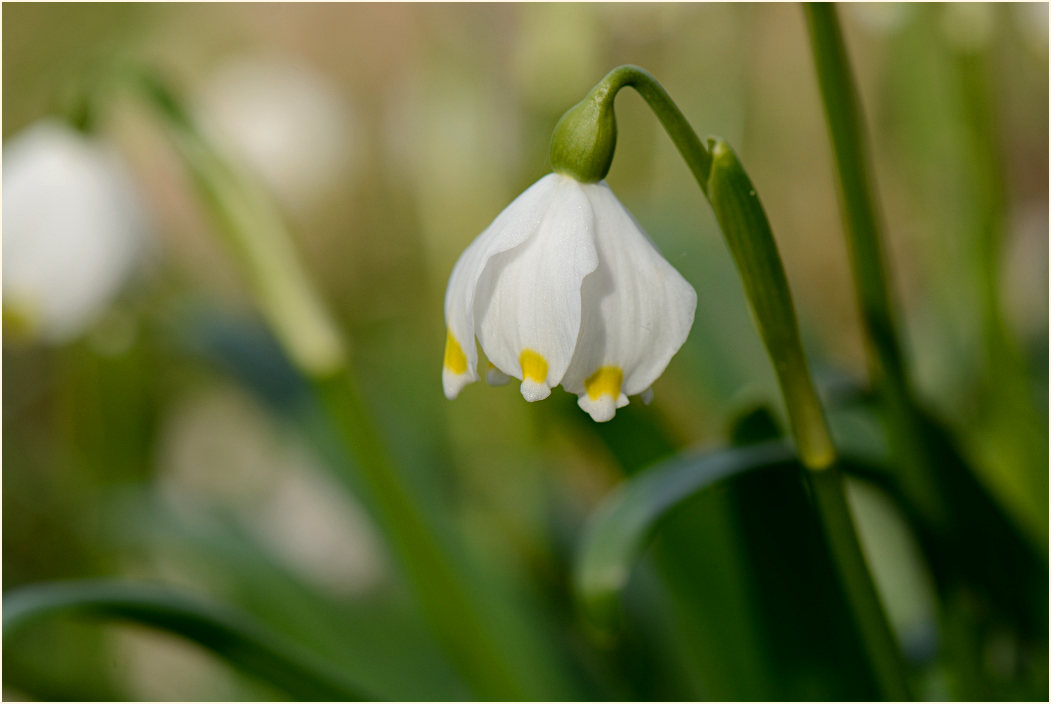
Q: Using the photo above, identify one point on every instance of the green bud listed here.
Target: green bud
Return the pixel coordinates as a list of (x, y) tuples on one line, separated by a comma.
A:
[(584, 139)]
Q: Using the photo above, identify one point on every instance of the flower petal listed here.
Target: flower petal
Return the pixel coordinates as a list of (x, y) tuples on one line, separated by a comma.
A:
[(528, 300), (74, 228), (637, 312), (495, 377), (511, 228)]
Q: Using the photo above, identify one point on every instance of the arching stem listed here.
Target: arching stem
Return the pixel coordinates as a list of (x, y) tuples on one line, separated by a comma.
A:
[(750, 240)]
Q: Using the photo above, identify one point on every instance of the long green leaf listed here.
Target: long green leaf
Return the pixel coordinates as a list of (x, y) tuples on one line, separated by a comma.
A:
[(373, 638), (228, 634), (493, 644), (974, 546), (620, 527)]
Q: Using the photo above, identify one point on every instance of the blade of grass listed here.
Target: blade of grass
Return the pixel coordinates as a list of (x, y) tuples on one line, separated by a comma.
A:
[(373, 638), (228, 634), (973, 547), (618, 530), (868, 260), (765, 591), (456, 599), (958, 517)]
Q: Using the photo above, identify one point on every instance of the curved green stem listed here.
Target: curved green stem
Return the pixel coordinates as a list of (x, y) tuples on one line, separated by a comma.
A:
[(750, 240), (229, 635)]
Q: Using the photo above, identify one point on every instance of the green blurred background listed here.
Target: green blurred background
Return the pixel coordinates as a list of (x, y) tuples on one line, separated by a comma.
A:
[(170, 440)]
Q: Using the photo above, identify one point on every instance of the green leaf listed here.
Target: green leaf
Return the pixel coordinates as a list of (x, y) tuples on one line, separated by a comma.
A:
[(227, 633), (373, 637), (747, 591), (619, 529)]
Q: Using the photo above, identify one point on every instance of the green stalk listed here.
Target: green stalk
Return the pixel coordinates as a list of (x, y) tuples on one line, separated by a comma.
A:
[(864, 240), (743, 222), (1010, 414), (433, 564), (587, 153)]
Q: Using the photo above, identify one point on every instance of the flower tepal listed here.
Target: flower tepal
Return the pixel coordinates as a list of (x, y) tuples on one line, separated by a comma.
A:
[(74, 230), (565, 288)]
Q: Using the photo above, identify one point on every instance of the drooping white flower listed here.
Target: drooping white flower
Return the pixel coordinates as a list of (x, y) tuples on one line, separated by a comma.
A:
[(565, 288), (73, 229)]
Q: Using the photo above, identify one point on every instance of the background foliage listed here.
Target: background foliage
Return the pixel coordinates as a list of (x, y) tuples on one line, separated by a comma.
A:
[(174, 443)]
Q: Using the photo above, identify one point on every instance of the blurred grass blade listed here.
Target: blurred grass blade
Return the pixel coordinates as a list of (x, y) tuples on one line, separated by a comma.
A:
[(619, 529), (372, 638), (868, 262), (496, 647), (228, 634), (975, 548), (255, 232), (721, 607)]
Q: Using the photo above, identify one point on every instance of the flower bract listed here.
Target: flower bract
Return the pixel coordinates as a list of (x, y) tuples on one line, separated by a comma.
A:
[(565, 288)]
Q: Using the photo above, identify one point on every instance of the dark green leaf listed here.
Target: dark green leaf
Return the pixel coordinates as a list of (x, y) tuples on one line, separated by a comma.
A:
[(620, 527), (747, 591)]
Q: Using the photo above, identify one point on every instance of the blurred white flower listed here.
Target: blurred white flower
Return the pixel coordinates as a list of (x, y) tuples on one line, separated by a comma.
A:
[(219, 448), (73, 229), (285, 121), (565, 287)]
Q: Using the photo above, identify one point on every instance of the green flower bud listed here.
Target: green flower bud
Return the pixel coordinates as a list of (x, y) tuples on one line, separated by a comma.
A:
[(584, 139)]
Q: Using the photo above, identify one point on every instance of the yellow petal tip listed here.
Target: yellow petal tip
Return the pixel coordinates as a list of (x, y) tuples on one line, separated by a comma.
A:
[(534, 366), (605, 381), (455, 359)]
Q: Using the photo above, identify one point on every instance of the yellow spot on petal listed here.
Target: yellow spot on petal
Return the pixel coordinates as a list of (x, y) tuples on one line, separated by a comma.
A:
[(606, 380), (455, 360), (534, 366)]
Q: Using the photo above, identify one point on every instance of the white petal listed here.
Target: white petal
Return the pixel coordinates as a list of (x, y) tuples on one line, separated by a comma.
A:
[(513, 226), (528, 300), (637, 312), (73, 228), (601, 409), (495, 377)]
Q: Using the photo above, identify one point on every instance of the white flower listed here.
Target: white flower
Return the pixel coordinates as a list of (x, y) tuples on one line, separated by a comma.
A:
[(73, 229), (564, 287), (290, 124)]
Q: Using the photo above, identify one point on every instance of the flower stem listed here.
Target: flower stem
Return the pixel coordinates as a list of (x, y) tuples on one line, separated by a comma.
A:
[(750, 240), (748, 236)]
